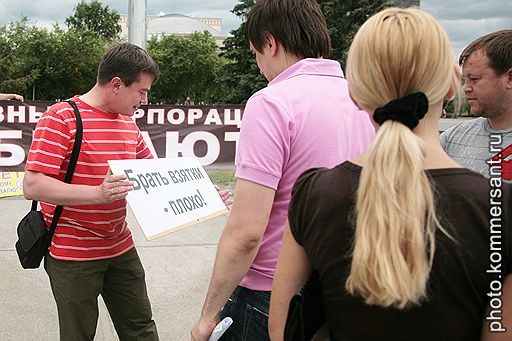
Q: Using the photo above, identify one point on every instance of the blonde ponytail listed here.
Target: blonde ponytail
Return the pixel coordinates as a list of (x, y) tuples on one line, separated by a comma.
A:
[(395, 225), (397, 52)]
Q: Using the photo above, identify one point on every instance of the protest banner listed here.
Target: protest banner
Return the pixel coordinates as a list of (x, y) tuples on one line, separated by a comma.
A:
[(169, 193), (209, 133)]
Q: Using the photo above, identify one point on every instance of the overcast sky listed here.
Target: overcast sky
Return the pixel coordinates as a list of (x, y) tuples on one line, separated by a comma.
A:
[(464, 20)]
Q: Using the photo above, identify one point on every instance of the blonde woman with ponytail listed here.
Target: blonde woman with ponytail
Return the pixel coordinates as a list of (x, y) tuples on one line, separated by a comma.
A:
[(400, 236)]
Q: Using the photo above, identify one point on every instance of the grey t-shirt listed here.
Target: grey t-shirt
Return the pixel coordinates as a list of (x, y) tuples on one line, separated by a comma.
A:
[(469, 143)]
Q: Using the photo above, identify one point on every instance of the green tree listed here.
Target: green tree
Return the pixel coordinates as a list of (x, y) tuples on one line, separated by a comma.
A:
[(241, 74), (344, 17), (71, 66), (189, 66), (97, 18), (55, 64), (11, 78)]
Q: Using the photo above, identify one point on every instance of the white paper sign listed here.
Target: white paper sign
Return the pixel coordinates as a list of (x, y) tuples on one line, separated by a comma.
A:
[(169, 193)]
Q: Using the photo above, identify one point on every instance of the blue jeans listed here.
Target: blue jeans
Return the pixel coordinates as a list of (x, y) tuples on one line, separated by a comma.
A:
[(249, 311)]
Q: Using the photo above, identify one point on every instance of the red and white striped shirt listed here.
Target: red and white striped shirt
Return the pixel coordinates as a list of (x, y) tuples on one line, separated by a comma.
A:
[(87, 232)]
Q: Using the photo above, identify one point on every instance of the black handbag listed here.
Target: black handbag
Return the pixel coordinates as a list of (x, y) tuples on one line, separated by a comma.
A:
[(306, 311), (34, 238)]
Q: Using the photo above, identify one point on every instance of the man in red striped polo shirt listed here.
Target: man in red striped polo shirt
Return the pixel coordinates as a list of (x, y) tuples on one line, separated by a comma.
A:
[(92, 251)]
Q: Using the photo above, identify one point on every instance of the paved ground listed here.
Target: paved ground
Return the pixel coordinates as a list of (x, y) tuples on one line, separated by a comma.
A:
[(178, 268)]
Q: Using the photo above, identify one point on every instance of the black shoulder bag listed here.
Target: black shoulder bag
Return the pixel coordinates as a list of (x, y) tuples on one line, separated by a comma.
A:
[(34, 238), (306, 311)]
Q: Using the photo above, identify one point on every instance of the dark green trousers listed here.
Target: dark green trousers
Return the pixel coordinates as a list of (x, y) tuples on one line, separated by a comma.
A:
[(120, 281)]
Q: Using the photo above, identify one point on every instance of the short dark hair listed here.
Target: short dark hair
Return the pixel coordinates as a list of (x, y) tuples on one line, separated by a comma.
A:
[(299, 25), (497, 46), (126, 61)]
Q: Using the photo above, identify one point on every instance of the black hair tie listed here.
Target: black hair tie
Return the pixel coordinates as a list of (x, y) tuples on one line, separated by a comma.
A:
[(408, 110)]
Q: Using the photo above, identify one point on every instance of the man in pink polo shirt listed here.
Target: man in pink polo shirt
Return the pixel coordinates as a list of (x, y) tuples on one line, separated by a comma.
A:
[(303, 119)]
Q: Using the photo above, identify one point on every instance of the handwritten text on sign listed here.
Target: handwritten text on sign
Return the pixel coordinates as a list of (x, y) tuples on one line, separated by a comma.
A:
[(169, 193)]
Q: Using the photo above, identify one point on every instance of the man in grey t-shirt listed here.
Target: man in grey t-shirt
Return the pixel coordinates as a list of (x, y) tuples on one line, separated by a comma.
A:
[(469, 143), (487, 70)]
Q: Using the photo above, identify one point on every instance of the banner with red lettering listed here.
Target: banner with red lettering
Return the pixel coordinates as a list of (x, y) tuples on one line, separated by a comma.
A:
[(209, 133)]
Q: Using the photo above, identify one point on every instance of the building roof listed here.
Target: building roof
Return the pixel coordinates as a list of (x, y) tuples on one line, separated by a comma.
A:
[(179, 24)]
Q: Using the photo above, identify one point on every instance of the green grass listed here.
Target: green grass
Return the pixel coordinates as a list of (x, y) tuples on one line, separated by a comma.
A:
[(224, 178)]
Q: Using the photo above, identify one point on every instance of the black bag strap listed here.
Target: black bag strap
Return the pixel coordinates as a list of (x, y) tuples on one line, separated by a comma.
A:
[(69, 172)]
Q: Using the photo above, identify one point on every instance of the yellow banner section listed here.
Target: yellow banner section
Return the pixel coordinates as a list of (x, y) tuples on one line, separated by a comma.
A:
[(11, 184)]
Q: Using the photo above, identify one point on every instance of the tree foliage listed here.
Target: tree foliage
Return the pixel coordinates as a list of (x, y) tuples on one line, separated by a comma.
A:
[(241, 74), (344, 17), (59, 63), (54, 64), (96, 18), (12, 78), (189, 66)]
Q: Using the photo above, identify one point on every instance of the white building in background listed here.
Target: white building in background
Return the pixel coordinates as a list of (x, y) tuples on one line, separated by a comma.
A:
[(178, 24)]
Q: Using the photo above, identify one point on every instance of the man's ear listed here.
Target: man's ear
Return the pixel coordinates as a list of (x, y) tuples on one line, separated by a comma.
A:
[(115, 84), (271, 43), (509, 78)]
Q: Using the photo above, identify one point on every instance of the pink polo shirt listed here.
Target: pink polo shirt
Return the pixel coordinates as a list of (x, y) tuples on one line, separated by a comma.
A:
[(304, 118)]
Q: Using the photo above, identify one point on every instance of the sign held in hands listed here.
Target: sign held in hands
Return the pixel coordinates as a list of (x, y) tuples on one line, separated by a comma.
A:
[(169, 193)]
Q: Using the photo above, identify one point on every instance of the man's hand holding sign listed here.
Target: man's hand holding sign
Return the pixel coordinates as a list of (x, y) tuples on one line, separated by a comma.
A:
[(169, 194)]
